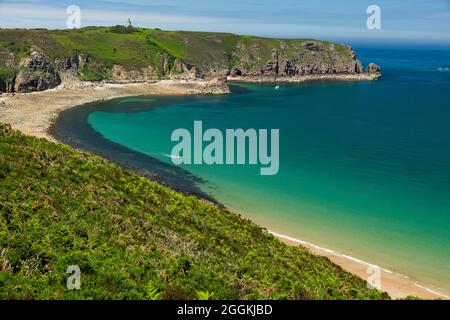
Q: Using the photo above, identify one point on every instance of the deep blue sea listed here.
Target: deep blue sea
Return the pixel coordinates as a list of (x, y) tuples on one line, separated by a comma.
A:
[(364, 166)]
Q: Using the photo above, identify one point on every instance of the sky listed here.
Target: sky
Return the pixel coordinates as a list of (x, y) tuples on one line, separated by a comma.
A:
[(411, 21)]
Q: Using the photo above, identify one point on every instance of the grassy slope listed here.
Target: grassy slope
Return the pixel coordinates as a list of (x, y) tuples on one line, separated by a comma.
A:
[(144, 47), (136, 239)]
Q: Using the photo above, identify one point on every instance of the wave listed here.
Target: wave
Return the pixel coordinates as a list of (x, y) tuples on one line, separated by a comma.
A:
[(170, 156)]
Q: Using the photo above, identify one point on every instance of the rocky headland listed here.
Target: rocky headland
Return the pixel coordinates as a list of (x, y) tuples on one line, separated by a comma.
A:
[(38, 60)]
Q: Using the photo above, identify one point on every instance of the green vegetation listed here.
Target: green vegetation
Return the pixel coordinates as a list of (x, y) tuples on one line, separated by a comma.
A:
[(94, 73), (6, 73), (136, 239), (122, 29), (10, 53), (20, 50)]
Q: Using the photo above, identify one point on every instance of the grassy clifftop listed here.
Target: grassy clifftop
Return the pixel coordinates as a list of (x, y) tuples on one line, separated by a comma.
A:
[(136, 239), (97, 53)]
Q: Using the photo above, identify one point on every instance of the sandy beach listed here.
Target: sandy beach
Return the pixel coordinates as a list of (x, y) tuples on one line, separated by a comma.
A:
[(34, 113), (397, 285)]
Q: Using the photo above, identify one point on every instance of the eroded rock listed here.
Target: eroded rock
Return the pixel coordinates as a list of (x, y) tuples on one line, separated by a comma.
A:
[(36, 74), (184, 70), (118, 72), (373, 68)]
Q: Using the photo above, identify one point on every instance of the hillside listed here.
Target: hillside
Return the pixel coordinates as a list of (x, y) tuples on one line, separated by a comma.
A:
[(136, 239), (39, 59)]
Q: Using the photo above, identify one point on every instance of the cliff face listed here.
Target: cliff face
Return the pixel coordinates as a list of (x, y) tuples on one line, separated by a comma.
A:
[(36, 74), (296, 59), (35, 60)]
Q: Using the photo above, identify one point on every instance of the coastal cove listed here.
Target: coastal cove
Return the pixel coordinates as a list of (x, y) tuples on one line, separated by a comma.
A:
[(75, 126), (317, 231), (235, 159)]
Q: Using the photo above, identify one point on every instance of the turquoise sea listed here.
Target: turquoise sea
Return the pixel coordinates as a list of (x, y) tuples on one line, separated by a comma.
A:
[(364, 166)]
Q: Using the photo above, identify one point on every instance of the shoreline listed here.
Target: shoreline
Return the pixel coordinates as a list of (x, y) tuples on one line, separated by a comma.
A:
[(395, 284), (299, 79), (34, 113)]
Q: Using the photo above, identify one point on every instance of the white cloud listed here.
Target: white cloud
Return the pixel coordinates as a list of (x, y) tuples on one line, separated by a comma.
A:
[(55, 17), (37, 15)]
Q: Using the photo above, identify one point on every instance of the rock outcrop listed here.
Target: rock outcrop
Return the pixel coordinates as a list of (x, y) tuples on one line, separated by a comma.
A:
[(36, 74), (308, 59), (373, 68), (120, 73), (70, 68), (183, 70), (75, 62), (2, 85)]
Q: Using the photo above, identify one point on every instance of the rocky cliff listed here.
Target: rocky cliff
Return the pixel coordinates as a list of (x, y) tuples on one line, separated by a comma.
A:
[(36, 60), (36, 74)]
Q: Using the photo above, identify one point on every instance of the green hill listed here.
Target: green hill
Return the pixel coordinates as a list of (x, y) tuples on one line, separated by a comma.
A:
[(38, 59), (136, 239)]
